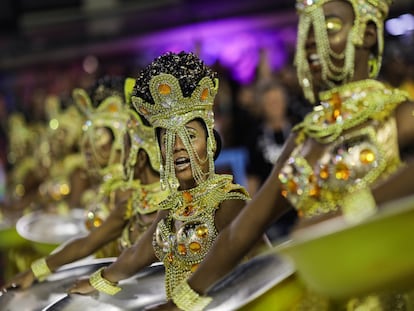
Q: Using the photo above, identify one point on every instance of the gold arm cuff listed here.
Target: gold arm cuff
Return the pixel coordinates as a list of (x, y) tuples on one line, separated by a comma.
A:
[(187, 299), (103, 285), (40, 269)]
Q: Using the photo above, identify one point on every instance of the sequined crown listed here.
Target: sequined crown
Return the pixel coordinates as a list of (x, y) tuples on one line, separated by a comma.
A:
[(110, 113), (171, 108)]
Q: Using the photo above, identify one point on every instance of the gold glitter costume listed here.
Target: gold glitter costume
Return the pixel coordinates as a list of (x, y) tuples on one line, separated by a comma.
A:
[(355, 124), (182, 248)]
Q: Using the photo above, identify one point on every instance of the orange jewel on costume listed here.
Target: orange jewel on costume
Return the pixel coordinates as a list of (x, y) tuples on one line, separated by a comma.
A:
[(187, 197), (164, 89), (204, 94), (182, 250), (336, 104), (342, 171), (170, 257), (194, 267), (324, 172), (367, 156), (202, 231), (113, 107), (195, 247)]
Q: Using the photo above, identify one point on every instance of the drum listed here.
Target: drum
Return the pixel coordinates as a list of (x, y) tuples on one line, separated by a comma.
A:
[(266, 282), (143, 289), (338, 260), (53, 288), (46, 231), (243, 285)]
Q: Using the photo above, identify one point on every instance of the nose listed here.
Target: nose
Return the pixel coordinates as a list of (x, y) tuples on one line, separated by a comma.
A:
[(178, 144)]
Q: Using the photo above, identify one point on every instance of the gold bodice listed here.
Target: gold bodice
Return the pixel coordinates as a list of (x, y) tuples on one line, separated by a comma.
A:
[(356, 131), (185, 236)]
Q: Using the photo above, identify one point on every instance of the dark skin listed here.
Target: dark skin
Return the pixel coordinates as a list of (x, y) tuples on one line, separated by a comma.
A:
[(141, 254), (110, 230), (235, 241)]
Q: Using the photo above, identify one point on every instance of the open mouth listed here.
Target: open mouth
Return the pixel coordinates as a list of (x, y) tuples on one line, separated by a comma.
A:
[(181, 163)]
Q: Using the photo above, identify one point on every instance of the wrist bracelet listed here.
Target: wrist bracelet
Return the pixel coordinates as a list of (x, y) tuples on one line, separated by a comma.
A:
[(40, 269), (103, 285), (187, 299)]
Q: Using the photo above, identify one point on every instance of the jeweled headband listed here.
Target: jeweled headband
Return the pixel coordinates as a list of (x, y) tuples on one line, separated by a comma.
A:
[(172, 91), (311, 15)]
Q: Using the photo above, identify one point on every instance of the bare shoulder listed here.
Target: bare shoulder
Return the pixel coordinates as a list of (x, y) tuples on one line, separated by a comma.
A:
[(405, 122), (229, 209)]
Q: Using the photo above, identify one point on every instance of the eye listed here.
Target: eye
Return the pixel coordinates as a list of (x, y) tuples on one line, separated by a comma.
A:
[(333, 24)]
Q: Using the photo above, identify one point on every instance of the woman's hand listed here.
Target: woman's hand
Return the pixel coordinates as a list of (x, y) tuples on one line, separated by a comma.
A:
[(22, 280), (82, 286), (166, 306)]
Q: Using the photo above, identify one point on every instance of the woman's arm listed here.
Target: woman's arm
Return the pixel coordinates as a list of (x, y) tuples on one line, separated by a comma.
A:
[(135, 258), (235, 241), (399, 184)]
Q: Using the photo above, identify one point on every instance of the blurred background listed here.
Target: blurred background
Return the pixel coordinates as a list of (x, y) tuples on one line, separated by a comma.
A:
[(50, 47)]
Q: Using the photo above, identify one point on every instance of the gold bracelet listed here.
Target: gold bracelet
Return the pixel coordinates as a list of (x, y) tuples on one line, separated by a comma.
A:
[(187, 299), (103, 285), (40, 269)]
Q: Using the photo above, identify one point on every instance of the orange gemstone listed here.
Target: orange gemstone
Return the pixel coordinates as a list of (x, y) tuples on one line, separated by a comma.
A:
[(284, 193), (113, 107), (342, 171), (182, 250), (187, 196), (164, 89), (202, 231), (195, 247), (194, 267), (204, 94), (292, 186), (170, 257), (324, 173), (97, 222), (315, 191), (367, 156)]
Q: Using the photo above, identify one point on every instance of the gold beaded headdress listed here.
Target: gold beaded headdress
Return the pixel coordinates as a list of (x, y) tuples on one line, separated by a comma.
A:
[(172, 110), (142, 136), (311, 15), (111, 113)]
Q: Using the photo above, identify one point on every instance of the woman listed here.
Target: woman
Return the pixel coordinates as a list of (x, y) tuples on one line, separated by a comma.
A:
[(347, 146), (135, 200), (175, 93)]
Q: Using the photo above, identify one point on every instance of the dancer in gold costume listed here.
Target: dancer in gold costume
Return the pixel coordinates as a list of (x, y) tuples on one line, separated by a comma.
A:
[(347, 146), (136, 197), (175, 93)]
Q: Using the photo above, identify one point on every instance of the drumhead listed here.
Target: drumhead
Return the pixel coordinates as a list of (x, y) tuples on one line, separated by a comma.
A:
[(248, 281), (53, 288)]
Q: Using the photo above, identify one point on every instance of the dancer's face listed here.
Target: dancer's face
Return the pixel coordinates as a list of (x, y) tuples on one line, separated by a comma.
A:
[(181, 158)]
